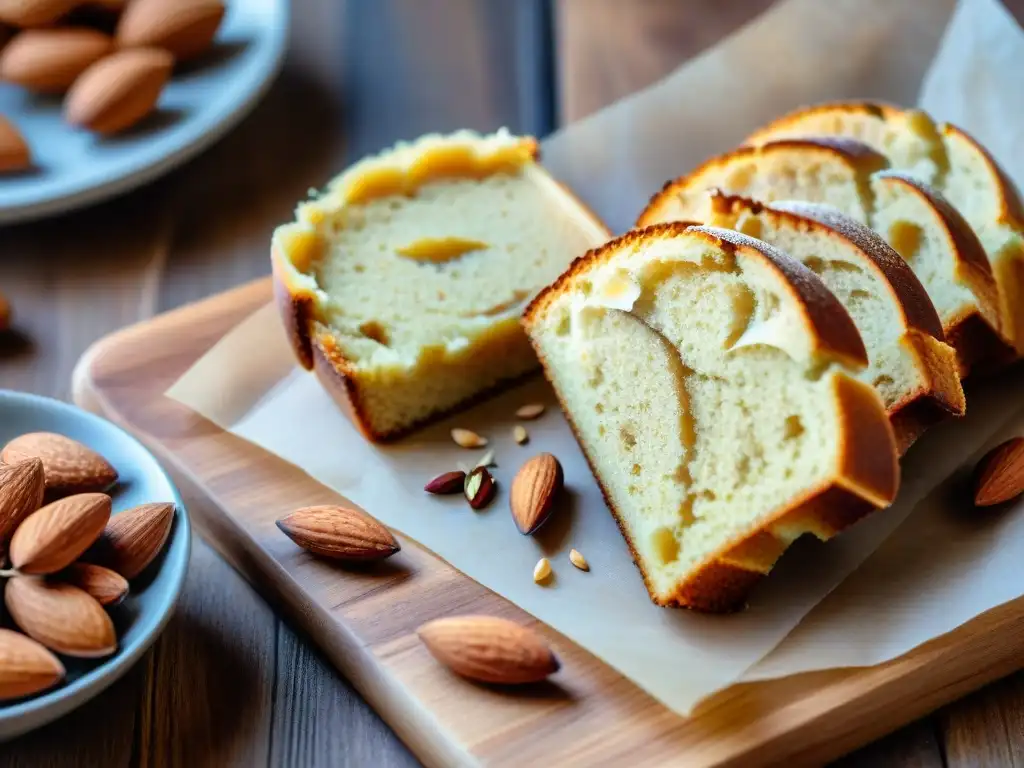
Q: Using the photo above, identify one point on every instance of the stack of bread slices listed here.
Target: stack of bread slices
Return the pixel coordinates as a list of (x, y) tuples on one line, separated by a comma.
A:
[(748, 364)]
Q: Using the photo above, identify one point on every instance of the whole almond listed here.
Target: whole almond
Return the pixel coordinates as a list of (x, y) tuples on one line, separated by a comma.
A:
[(105, 586), (339, 533), (14, 152), (26, 667), (534, 490), (21, 494), (489, 649), (185, 28), (34, 13), (60, 616), (49, 60), (133, 538), (999, 476), (53, 537), (69, 466), (118, 90)]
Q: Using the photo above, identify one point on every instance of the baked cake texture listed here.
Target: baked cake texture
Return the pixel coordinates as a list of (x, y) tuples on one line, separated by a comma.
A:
[(914, 371), (945, 157), (919, 224), (401, 285), (711, 382)]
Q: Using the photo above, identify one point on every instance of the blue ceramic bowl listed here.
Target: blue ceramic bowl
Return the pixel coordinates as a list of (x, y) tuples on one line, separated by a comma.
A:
[(148, 606)]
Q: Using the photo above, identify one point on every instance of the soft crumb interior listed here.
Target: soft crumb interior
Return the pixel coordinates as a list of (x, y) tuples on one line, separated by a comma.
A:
[(698, 433), (859, 286), (390, 303), (908, 139), (776, 173), (917, 232)]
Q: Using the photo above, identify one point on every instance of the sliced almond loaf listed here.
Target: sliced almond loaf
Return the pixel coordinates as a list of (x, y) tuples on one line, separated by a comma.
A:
[(402, 284), (914, 371), (711, 382), (914, 219), (946, 157)]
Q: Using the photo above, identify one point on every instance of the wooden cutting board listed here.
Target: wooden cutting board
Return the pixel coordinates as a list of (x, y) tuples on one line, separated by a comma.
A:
[(365, 620)]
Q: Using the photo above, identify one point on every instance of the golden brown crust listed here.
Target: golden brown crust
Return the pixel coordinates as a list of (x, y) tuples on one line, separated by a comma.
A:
[(875, 110), (861, 158), (295, 306), (940, 395), (973, 269), (1011, 209), (867, 472)]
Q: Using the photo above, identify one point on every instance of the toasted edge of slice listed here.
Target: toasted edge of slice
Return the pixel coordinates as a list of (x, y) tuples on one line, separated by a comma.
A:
[(940, 393), (690, 194), (399, 170), (867, 471)]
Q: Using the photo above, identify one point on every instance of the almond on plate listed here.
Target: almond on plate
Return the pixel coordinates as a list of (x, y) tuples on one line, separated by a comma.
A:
[(14, 152), (49, 60), (53, 537), (339, 533), (133, 538), (60, 616), (69, 466), (185, 28), (26, 667), (34, 13), (489, 649), (105, 586), (999, 475), (118, 90), (534, 490), (21, 494)]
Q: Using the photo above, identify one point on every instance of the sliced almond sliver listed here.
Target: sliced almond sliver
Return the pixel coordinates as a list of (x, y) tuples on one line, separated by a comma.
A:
[(519, 433), (578, 560), (530, 411), (542, 570), (467, 438)]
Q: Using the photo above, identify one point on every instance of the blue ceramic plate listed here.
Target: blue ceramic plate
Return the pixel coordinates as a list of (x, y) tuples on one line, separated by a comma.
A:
[(148, 606), (75, 168)]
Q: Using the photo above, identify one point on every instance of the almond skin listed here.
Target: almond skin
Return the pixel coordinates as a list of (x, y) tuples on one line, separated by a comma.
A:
[(53, 537), (489, 649), (133, 538), (49, 60), (534, 490), (185, 28), (14, 152), (339, 533), (69, 466), (60, 616), (103, 585), (34, 13), (26, 667), (118, 90), (21, 493), (999, 476)]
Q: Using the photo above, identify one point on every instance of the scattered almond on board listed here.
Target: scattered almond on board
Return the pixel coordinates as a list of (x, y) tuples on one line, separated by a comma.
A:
[(488, 649), (69, 559), (534, 490), (999, 476), (339, 533), (113, 58)]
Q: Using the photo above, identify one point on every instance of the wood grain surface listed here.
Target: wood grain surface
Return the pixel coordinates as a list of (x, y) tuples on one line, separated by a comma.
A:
[(229, 682)]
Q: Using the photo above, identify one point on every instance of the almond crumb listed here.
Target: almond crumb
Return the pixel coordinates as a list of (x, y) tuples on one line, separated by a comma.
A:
[(467, 438), (542, 570), (530, 411), (578, 560), (487, 460), (519, 433)]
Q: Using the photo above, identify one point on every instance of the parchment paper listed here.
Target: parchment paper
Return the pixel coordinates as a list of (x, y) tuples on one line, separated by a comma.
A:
[(801, 51)]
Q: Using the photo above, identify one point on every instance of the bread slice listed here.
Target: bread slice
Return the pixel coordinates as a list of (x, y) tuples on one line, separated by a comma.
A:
[(710, 380), (402, 284), (945, 157), (913, 218), (909, 365)]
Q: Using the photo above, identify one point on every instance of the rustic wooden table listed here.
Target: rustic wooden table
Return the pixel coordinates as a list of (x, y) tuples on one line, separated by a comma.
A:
[(229, 683)]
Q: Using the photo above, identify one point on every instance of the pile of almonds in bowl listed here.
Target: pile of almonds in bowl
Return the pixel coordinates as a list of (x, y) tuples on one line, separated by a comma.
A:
[(108, 59), (65, 560)]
